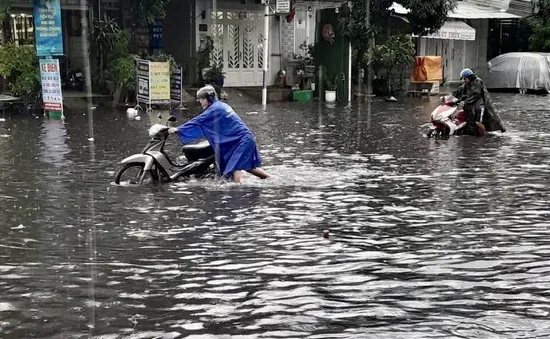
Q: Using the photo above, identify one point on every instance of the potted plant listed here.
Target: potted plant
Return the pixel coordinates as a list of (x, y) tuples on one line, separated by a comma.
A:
[(215, 75), (331, 86), (304, 63)]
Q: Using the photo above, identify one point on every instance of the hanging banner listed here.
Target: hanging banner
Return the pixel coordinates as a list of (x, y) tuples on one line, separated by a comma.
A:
[(176, 85), (47, 27), (51, 85), (159, 77), (143, 82)]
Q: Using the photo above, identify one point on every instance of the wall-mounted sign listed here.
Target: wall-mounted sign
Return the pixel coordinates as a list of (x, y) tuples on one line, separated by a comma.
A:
[(282, 6)]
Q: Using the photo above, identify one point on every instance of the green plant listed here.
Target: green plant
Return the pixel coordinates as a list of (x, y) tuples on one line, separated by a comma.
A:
[(162, 57), (105, 35), (331, 82), (125, 70), (214, 72), (108, 43), (203, 56), (305, 58), (19, 65), (397, 53)]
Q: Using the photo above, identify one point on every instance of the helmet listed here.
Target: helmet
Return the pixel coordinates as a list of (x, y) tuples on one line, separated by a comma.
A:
[(466, 72), (207, 92)]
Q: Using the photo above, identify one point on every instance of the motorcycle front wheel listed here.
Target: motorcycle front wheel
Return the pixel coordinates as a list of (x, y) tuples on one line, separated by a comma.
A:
[(135, 172), (434, 133)]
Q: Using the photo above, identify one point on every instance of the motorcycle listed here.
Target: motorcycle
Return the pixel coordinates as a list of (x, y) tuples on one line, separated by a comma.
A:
[(447, 118), (154, 165), (75, 79)]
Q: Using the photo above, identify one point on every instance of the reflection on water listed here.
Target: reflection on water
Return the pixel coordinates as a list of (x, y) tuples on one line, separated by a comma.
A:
[(53, 139), (429, 238)]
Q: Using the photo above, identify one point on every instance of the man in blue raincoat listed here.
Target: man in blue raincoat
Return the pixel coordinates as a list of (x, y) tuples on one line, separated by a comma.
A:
[(232, 141)]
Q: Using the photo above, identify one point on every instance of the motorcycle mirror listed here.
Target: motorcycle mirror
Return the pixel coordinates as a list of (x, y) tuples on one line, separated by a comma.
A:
[(171, 121)]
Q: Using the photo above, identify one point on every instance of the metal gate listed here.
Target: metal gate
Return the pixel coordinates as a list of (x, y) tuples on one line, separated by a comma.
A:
[(238, 46)]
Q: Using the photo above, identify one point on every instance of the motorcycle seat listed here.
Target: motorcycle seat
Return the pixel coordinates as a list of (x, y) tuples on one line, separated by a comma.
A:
[(201, 145)]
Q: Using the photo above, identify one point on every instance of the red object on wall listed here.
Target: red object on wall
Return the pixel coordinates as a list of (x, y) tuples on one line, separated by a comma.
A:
[(291, 15)]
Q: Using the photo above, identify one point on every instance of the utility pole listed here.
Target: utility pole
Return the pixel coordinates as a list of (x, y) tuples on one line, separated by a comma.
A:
[(265, 52)]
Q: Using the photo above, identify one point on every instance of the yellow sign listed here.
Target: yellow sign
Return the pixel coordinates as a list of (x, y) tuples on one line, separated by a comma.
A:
[(160, 81)]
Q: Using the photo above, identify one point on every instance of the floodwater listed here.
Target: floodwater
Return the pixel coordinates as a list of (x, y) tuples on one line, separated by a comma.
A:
[(428, 238)]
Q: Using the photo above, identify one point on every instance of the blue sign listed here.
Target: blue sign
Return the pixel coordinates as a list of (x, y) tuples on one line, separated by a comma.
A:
[(156, 35), (47, 27)]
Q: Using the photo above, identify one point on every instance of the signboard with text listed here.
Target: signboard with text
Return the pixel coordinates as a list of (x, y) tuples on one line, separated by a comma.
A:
[(51, 85), (48, 31), (176, 86), (159, 75), (153, 82), (143, 83)]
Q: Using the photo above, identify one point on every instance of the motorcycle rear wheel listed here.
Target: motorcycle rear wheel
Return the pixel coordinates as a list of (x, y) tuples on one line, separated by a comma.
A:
[(150, 176)]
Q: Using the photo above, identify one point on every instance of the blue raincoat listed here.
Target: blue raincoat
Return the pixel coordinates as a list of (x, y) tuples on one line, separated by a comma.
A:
[(232, 141)]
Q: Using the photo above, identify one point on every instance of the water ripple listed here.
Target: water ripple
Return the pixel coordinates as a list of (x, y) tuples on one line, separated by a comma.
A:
[(427, 238)]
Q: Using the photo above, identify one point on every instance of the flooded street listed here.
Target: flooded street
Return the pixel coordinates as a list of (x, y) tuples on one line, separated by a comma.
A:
[(428, 238)]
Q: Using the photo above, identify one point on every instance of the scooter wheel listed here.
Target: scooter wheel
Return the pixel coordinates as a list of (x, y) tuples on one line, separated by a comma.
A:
[(137, 168), (433, 133)]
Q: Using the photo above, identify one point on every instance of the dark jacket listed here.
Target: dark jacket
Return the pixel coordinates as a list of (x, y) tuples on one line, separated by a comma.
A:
[(474, 94)]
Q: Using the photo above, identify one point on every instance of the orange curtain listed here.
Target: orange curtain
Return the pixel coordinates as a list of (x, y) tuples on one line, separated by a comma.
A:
[(427, 68)]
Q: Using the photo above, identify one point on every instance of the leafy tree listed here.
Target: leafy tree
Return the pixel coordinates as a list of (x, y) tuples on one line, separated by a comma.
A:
[(5, 6), (395, 55), (362, 20), (143, 13), (425, 16), (539, 27), (19, 65)]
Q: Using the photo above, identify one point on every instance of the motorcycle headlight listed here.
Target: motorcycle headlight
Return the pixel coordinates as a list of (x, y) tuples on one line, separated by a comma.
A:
[(153, 130)]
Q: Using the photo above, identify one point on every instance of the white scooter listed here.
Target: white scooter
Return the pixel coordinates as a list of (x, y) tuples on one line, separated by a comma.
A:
[(154, 165)]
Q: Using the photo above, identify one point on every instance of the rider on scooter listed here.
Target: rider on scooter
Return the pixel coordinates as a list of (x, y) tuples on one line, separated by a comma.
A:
[(232, 141), (478, 107)]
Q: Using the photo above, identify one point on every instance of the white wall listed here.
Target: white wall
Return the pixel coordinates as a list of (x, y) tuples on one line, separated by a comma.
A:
[(477, 50)]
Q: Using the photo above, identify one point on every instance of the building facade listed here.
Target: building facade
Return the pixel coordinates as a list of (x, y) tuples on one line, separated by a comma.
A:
[(236, 28), (477, 31), (74, 14)]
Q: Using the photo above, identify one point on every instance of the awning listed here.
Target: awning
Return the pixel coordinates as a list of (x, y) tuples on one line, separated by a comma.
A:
[(398, 9), (465, 10), (453, 30)]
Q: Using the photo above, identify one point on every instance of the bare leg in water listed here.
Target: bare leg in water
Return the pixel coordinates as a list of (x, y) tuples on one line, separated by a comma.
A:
[(259, 172), (238, 177)]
